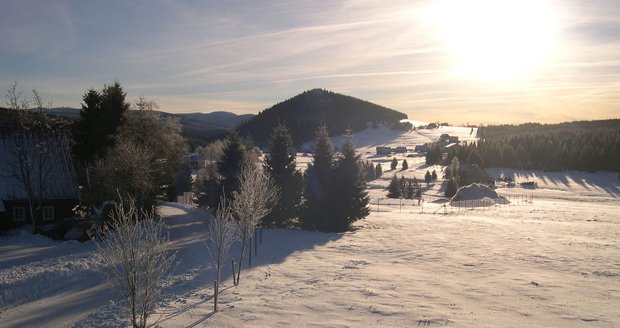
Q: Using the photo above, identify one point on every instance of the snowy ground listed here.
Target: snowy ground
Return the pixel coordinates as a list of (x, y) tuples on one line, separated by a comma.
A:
[(550, 263)]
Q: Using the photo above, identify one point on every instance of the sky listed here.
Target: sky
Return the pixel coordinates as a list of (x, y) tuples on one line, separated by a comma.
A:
[(474, 61)]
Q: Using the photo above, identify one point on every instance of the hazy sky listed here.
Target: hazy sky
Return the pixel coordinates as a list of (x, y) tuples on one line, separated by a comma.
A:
[(487, 61)]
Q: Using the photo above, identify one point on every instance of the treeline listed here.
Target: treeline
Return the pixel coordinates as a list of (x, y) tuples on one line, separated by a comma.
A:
[(584, 145), (330, 196)]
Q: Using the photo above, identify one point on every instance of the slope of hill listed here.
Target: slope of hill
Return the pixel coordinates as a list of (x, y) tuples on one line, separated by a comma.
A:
[(306, 111)]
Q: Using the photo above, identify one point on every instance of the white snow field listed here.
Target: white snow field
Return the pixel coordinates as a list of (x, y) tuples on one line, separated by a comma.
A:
[(554, 262)]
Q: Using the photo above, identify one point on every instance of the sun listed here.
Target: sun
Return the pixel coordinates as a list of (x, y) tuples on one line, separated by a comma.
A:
[(497, 39)]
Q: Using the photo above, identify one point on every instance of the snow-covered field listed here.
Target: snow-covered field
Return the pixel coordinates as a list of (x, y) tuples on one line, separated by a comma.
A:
[(550, 263)]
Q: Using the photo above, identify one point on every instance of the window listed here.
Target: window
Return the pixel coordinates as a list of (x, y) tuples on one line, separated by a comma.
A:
[(48, 213), (19, 214)]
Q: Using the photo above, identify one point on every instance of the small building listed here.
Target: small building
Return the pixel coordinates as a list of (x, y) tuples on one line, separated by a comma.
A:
[(421, 148), (382, 150), (400, 149), (59, 191), (472, 173)]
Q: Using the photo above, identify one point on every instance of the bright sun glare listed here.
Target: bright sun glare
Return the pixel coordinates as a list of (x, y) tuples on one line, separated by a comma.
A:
[(497, 39)]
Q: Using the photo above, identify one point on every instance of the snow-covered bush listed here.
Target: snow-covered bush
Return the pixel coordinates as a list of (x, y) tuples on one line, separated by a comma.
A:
[(135, 250)]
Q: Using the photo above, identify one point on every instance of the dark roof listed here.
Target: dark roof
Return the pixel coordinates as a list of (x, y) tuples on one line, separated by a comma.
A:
[(61, 179)]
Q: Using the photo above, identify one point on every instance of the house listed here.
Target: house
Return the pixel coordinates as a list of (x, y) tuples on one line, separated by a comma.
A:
[(421, 148), (472, 173), (384, 150), (400, 149), (57, 184)]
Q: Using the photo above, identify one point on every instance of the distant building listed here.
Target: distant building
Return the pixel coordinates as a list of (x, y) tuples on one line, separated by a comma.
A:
[(382, 150), (60, 193), (197, 161), (400, 149), (421, 148)]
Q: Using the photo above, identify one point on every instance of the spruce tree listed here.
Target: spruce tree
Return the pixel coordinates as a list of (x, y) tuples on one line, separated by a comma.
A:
[(280, 164), (350, 196), (370, 171), (100, 117), (394, 164), (451, 187), (318, 178), (434, 175), (229, 166), (378, 171), (427, 177), (405, 165), (394, 188)]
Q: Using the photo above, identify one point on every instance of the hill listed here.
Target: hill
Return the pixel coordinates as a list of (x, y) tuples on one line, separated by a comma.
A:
[(305, 112)]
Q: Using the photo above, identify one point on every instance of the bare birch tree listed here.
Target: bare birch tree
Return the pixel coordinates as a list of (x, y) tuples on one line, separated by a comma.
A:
[(256, 195), (222, 234), (34, 143), (135, 249)]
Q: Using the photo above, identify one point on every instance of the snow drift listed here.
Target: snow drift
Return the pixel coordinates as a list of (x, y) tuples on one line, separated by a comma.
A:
[(477, 194)]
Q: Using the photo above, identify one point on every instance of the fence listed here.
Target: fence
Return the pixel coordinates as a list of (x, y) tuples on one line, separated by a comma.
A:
[(187, 198), (444, 206)]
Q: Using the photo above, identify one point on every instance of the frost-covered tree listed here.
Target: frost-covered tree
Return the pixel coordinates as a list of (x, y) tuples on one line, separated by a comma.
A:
[(135, 250), (253, 199), (281, 165), (222, 234), (35, 142)]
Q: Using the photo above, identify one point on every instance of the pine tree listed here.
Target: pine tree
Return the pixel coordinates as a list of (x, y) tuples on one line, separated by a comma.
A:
[(451, 187), (100, 117), (434, 175), (394, 164), (318, 179), (280, 164), (229, 166), (349, 190), (427, 177), (405, 165), (378, 171), (394, 188), (370, 171)]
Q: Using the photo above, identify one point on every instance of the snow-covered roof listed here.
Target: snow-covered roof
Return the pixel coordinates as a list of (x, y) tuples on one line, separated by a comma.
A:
[(61, 181)]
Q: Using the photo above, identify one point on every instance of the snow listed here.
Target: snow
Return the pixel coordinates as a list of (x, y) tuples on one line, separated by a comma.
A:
[(549, 263), (476, 194)]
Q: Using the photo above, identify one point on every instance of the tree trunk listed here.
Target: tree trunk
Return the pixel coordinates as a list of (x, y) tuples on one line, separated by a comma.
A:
[(243, 239)]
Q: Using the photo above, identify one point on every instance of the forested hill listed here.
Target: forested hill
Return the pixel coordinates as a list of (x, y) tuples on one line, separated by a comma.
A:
[(303, 113), (583, 145)]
